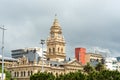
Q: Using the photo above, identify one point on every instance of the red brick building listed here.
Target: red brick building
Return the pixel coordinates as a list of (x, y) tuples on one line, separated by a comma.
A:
[(80, 55)]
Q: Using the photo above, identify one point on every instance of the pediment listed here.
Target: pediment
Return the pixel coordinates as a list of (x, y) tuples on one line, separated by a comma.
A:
[(74, 62)]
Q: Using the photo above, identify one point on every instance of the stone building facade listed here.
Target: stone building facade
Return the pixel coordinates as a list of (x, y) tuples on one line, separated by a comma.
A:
[(56, 58), (91, 57), (94, 58)]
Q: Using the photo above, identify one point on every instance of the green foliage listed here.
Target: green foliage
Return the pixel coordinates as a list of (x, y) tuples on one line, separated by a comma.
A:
[(88, 68), (73, 76), (99, 73), (104, 75), (0, 68), (42, 76), (49, 76), (8, 75), (99, 67)]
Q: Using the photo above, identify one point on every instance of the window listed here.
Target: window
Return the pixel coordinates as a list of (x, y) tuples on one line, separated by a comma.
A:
[(56, 74), (28, 73), (21, 74), (53, 50), (114, 62), (61, 66), (31, 72), (55, 65), (17, 74), (50, 64), (49, 50), (48, 59), (97, 60), (62, 50), (58, 49), (24, 73)]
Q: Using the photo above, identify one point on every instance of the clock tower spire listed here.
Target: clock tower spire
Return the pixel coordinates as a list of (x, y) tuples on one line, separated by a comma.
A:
[(56, 43)]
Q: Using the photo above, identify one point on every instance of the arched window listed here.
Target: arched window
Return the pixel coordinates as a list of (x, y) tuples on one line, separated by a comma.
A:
[(28, 73), (56, 74), (24, 73), (49, 50), (48, 59), (21, 74), (61, 49), (55, 65), (58, 49), (31, 72), (15, 74), (53, 50), (23, 62)]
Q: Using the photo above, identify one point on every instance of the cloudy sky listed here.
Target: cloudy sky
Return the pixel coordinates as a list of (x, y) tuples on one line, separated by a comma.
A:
[(85, 23)]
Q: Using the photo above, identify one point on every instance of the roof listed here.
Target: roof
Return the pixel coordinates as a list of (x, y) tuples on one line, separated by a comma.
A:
[(56, 26), (8, 58), (94, 54), (55, 62)]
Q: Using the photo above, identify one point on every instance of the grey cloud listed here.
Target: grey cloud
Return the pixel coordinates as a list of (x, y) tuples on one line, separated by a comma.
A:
[(85, 23)]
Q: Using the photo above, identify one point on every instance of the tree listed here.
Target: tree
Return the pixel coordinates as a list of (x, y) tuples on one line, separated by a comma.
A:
[(72, 76), (101, 74), (88, 68), (99, 67), (42, 76), (8, 75), (104, 75)]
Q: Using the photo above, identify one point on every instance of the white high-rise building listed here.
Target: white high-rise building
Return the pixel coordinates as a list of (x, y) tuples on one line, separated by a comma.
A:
[(111, 63)]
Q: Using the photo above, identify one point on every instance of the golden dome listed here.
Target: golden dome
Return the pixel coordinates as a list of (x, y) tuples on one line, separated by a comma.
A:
[(56, 26)]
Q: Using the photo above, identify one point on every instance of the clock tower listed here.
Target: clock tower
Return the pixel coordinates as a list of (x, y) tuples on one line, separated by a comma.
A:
[(56, 43)]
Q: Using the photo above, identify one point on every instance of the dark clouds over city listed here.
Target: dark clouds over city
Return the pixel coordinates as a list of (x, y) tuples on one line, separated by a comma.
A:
[(85, 23)]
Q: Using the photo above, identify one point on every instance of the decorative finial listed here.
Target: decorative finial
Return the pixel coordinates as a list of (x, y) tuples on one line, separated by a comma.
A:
[(55, 15), (55, 20), (56, 23)]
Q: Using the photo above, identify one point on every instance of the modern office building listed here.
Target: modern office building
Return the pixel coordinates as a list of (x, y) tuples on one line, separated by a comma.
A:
[(111, 63), (83, 57), (93, 58), (118, 59), (31, 53), (118, 66)]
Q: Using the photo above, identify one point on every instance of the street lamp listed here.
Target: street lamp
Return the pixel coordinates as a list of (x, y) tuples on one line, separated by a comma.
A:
[(2, 51), (42, 43)]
